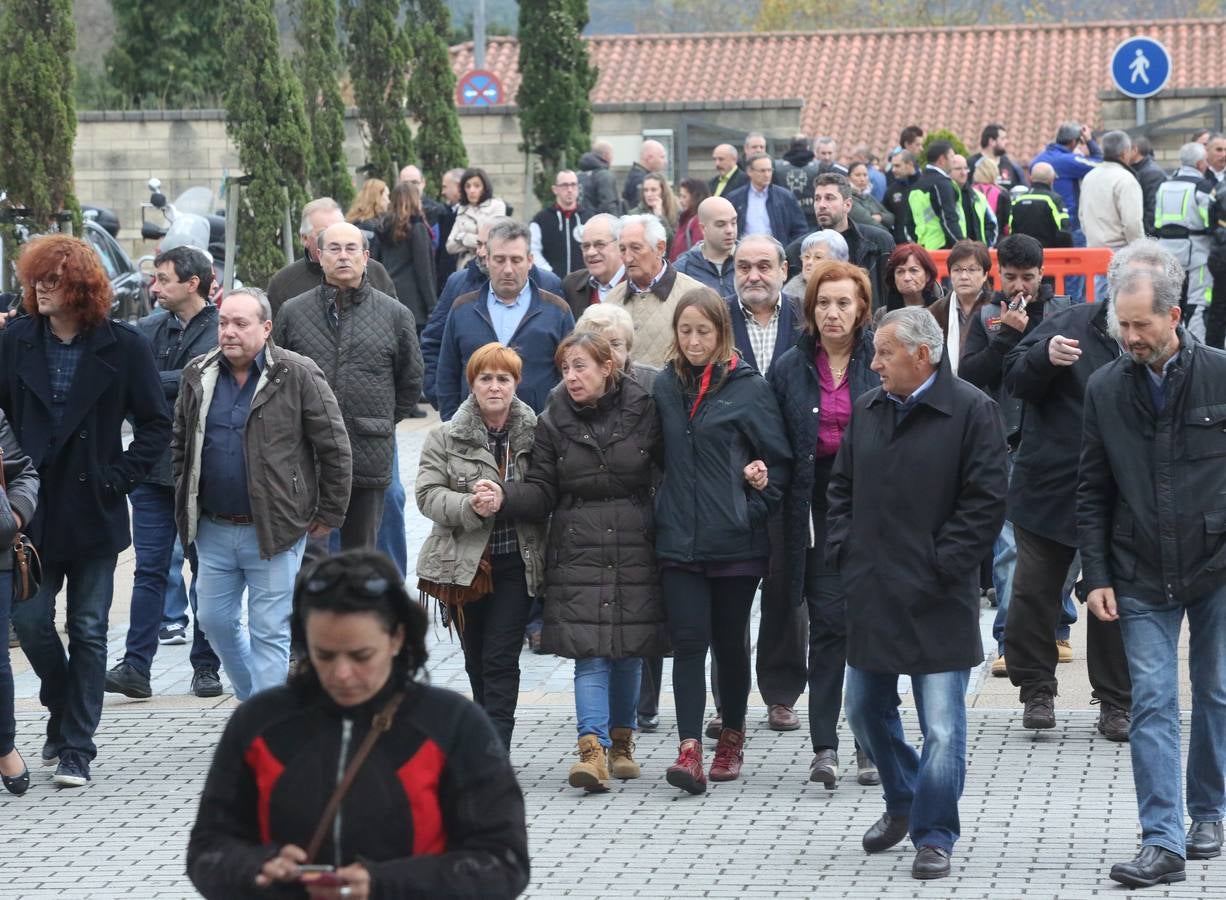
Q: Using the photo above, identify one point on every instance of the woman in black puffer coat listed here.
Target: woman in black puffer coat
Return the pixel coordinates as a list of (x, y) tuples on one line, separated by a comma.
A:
[(592, 471)]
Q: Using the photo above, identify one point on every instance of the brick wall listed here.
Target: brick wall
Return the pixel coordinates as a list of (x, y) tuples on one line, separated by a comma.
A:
[(1186, 105)]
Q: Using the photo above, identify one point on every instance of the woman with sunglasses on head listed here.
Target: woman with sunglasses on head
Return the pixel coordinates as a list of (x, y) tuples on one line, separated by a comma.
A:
[(426, 803), (473, 542)]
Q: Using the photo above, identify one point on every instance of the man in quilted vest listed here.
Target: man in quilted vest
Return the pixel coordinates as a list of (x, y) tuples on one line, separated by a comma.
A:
[(366, 344)]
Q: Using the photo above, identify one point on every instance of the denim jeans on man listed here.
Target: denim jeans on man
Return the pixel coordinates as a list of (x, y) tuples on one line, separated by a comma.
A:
[(174, 612), (153, 541), (255, 658), (606, 695), (391, 540), (1151, 643), (924, 787), (1004, 562), (72, 683)]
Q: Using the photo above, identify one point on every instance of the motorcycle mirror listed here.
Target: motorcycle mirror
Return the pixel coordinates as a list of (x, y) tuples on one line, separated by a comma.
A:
[(155, 185), (158, 199)]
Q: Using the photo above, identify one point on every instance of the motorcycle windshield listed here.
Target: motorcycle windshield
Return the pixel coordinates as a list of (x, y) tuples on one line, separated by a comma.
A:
[(196, 201), (187, 230)]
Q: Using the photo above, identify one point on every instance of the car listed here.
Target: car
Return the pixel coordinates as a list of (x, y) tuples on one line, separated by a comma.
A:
[(129, 285)]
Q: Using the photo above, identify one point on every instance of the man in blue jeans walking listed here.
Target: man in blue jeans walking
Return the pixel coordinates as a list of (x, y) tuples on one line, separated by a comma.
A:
[(69, 376), (1153, 541), (929, 449), (185, 327)]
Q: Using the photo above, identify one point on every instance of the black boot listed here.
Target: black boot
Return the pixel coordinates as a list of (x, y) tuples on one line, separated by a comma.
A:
[(1153, 865)]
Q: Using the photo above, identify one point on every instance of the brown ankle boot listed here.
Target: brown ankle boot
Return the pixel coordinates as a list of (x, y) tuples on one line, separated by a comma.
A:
[(621, 754), (729, 755), (591, 772)]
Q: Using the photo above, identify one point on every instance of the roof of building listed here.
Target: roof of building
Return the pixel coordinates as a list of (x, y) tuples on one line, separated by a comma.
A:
[(866, 85)]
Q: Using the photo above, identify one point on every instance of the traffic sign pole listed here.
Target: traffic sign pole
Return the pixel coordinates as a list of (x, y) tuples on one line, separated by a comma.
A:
[(1140, 111)]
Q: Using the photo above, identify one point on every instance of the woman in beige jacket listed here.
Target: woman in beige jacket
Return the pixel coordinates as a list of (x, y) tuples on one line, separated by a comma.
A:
[(480, 206)]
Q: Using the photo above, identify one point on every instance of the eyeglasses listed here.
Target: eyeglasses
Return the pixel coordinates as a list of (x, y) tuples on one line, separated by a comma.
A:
[(49, 282), (328, 575), (348, 249), (969, 270)]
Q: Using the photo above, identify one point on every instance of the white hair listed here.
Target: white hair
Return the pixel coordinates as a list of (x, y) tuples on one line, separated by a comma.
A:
[(1145, 254), (1191, 153), (915, 326), (653, 228), (832, 239), (604, 317), (319, 204), (259, 296), (611, 222)]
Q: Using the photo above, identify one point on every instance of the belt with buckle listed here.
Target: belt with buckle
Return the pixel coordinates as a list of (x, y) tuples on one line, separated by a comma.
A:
[(232, 520)]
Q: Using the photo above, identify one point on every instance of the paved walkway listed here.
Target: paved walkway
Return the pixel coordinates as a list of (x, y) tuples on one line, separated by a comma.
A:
[(1043, 816)]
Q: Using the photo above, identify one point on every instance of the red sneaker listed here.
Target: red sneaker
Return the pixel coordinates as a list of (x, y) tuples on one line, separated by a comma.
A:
[(686, 773), (729, 755)]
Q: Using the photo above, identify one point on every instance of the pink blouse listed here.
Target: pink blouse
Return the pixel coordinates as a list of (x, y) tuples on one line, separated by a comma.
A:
[(835, 407)]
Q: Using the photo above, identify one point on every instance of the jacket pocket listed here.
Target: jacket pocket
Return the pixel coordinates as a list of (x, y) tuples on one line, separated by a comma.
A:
[(1215, 539), (372, 426), (1206, 431)]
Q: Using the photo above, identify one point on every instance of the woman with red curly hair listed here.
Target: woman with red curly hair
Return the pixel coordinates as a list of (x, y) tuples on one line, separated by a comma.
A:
[(69, 377)]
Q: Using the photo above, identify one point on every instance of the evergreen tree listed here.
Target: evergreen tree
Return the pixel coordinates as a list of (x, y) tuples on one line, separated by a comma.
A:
[(555, 107), (266, 120), (378, 55), (318, 65), (38, 120), (431, 93), (169, 54)]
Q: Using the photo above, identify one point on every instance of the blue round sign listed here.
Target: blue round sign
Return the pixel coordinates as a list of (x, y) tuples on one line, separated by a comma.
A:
[(479, 88), (1140, 67)]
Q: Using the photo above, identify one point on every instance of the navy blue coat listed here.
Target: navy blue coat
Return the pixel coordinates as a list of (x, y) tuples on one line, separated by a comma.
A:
[(466, 280), (787, 220), (789, 327), (705, 511), (545, 325), (798, 389), (86, 474)]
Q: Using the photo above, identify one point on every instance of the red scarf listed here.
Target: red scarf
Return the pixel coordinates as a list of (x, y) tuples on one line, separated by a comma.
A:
[(705, 384)]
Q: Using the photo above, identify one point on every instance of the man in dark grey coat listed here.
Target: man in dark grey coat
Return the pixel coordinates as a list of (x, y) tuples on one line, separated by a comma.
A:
[(366, 344), (923, 464), (1152, 531)]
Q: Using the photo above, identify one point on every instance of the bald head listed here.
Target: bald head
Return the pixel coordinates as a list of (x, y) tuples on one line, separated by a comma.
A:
[(343, 255), (1043, 173), (652, 156), (718, 221), (604, 150), (412, 175), (724, 157)]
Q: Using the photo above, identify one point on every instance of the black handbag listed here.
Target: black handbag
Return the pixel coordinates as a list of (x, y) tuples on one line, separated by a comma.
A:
[(27, 565)]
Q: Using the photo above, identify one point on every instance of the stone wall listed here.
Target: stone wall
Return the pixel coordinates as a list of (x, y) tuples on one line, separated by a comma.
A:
[(117, 153), (1182, 104)]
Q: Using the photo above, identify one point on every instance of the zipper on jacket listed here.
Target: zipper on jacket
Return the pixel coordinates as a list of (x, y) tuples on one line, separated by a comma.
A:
[(341, 761)]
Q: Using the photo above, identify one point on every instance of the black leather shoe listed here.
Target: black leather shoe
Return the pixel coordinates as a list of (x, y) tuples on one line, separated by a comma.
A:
[(1040, 711), (930, 863), (123, 679), (17, 784), (1114, 722), (825, 768), (1205, 840), (205, 682), (885, 833), (1153, 865), (648, 724)]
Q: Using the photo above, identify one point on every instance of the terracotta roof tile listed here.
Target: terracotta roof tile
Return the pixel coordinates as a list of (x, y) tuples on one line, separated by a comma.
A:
[(866, 85)]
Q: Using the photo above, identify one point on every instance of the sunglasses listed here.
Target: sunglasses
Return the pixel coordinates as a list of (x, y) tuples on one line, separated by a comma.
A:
[(327, 576)]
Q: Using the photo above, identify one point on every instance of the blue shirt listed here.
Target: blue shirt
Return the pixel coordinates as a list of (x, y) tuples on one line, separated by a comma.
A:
[(757, 220), (62, 361), (1157, 384), (904, 405), (505, 317), (223, 462)]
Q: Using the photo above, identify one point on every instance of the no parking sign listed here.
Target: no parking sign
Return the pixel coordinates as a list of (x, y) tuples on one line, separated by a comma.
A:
[(480, 87)]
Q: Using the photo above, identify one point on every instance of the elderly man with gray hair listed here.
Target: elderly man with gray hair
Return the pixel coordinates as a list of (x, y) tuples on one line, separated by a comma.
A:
[(1153, 539), (306, 273), (652, 287), (602, 264), (913, 600), (1112, 207)]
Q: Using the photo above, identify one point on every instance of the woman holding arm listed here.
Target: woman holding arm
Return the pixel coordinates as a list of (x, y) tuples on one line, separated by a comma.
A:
[(726, 466), (592, 476), (817, 382)]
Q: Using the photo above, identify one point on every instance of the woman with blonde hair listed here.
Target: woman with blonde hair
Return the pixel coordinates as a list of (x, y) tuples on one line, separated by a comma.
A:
[(371, 203), (984, 179)]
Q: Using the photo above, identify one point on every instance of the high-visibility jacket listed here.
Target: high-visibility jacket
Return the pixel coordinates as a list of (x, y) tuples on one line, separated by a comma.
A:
[(936, 210), (983, 226), (1181, 223), (1040, 213)]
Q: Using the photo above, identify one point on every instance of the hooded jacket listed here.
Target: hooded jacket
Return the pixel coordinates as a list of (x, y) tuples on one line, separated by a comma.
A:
[(597, 186)]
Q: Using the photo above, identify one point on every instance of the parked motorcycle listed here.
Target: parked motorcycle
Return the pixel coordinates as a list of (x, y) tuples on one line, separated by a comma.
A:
[(189, 222)]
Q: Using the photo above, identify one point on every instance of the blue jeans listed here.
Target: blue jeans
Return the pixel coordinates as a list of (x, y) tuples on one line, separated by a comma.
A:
[(926, 788), (1004, 563), (153, 540), (391, 540), (71, 683), (1075, 285), (174, 611), (1151, 642), (606, 695), (8, 724), (255, 658)]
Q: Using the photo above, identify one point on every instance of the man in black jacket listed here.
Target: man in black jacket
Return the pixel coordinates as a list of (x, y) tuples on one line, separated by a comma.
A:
[(903, 175), (69, 377), (1153, 542), (556, 229), (1048, 370), (185, 327), (913, 599)]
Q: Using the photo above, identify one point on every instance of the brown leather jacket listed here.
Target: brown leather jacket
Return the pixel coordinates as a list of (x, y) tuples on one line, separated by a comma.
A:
[(294, 430)]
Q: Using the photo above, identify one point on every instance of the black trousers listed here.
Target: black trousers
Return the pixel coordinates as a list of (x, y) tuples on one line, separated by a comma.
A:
[(649, 686), (708, 612), (492, 637), (827, 614), (1034, 613), (361, 528)]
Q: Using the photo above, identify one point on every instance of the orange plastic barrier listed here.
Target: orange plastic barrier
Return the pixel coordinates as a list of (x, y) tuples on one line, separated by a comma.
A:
[(1057, 263)]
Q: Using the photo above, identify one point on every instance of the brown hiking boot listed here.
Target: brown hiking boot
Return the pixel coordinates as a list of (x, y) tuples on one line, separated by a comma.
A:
[(621, 754), (686, 773), (729, 755), (591, 772)]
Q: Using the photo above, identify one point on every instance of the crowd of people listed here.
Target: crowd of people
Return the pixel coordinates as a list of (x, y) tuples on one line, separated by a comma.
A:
[(654, 406)]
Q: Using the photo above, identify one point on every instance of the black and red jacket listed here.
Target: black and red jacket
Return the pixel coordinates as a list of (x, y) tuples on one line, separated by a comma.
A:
[(435, 811)]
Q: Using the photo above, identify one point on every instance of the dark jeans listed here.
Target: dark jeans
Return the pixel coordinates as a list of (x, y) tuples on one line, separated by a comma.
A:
[(827, 608), (649, 686), (1034, 613), (782, 630), (492, 637), (8, 725), (708, 612), (72, 683), (202, 655), (361, 528)]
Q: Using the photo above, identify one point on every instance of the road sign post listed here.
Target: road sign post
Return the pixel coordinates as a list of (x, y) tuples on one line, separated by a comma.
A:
[(1140, 68)]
